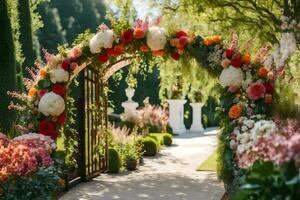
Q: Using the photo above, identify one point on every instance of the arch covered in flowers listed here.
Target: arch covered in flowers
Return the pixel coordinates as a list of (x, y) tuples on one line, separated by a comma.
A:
[(247, 81)]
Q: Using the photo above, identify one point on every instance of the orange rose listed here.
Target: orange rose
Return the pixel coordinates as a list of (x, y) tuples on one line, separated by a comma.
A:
[(43, 73), (247, 58), (32, 92), (216, 39), (235, 112), (263, 72), (268, 99), (208, 41), (159, 53), (144, 48), (138, 33)]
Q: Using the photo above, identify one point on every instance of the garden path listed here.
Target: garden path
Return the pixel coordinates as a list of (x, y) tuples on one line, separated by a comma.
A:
[(171, 175)]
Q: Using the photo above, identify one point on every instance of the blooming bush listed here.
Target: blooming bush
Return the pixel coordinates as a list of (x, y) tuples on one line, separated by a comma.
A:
[(27, 169)]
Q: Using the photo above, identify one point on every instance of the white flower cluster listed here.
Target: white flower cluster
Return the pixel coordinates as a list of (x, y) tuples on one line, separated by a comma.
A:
[(33, 136), (156, 38), (102, 39), (231, 76), (51, 104), (247, 134), (59, 75)]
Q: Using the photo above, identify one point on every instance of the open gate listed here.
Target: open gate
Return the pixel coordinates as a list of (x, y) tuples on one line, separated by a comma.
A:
[(91, 124)]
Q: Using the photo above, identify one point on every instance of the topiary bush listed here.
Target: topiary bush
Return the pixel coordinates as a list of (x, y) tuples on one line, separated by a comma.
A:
[(158, 137), (114, 161), (167, 138), (150, 146)]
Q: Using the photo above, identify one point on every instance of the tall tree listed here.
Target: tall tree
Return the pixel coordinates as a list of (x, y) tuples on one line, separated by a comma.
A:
[(8, 67), (26, 36)]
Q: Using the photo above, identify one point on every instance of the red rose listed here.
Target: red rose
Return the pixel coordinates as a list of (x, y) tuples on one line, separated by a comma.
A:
[(229, 52), (61, 119), (256, 91), (179, 34), (110, 51), (47, 128), (103, 58), (127, 37), (119, 49), (41, 92), (65, 65), (269, 88), (236, 61), (175, 56), (73, 65), (183, 41), (59, 89)]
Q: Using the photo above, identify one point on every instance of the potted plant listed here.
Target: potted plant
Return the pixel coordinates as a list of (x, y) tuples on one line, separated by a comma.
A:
[(131, 157)]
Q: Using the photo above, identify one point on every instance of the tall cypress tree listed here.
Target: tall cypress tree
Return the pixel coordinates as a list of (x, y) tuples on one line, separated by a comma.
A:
[(7, 66), (26, 37)]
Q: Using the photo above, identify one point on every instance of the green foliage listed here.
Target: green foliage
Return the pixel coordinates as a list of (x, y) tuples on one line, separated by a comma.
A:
[(150, 146), (26, 36), (8, 68), (114, 162), (209, 112), (286, 107), (167, 139), (265, 180), (131, 152), (157, 137)]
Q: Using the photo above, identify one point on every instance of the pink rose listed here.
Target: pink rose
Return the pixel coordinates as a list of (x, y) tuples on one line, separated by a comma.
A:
[(75, 52), (256, 91)]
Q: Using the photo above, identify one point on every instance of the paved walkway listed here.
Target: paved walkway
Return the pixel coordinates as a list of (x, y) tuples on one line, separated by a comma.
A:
[(171, 175)]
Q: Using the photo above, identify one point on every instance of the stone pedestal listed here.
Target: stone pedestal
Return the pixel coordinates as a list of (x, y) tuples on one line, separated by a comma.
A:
[(197, 121), (176, 115)]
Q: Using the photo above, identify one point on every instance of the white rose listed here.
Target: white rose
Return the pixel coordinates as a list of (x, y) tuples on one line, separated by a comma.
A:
[(231, 76), (59, 75), (102, 39), (156, 38), (51, 104)]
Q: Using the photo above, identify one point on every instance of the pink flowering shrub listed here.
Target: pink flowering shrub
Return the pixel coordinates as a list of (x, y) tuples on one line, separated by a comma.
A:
[(154, 116), (23, 155), (279, 148)]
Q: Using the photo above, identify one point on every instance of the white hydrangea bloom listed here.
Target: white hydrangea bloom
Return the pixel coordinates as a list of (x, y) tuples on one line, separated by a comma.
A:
[(51, 104), (102, 39), (247, 80), (231, 76), (33, 136), (263, 128), (59, 75), (156, 38)]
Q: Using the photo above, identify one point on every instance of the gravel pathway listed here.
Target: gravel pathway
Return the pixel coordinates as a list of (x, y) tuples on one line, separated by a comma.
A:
[(171, 175)]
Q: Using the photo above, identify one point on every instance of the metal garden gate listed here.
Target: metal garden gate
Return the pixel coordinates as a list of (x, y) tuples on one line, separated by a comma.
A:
[(92, 121)]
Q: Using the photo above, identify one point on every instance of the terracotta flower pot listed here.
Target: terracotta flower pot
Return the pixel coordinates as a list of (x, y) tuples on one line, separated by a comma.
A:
[(131, 165)]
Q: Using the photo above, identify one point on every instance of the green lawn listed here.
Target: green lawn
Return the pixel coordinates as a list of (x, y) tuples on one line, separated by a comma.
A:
[(210, 164)]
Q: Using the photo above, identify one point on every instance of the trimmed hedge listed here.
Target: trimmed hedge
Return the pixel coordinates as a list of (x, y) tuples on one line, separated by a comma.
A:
[(150, 146), (167, 138), (114, 161), (162, 138)]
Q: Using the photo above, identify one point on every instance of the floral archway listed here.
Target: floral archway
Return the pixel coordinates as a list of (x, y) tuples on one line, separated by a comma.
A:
[(247, 95)]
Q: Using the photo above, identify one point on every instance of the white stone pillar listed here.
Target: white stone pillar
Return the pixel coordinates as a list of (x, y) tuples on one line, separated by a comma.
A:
[(197, 117), (176, 115)]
